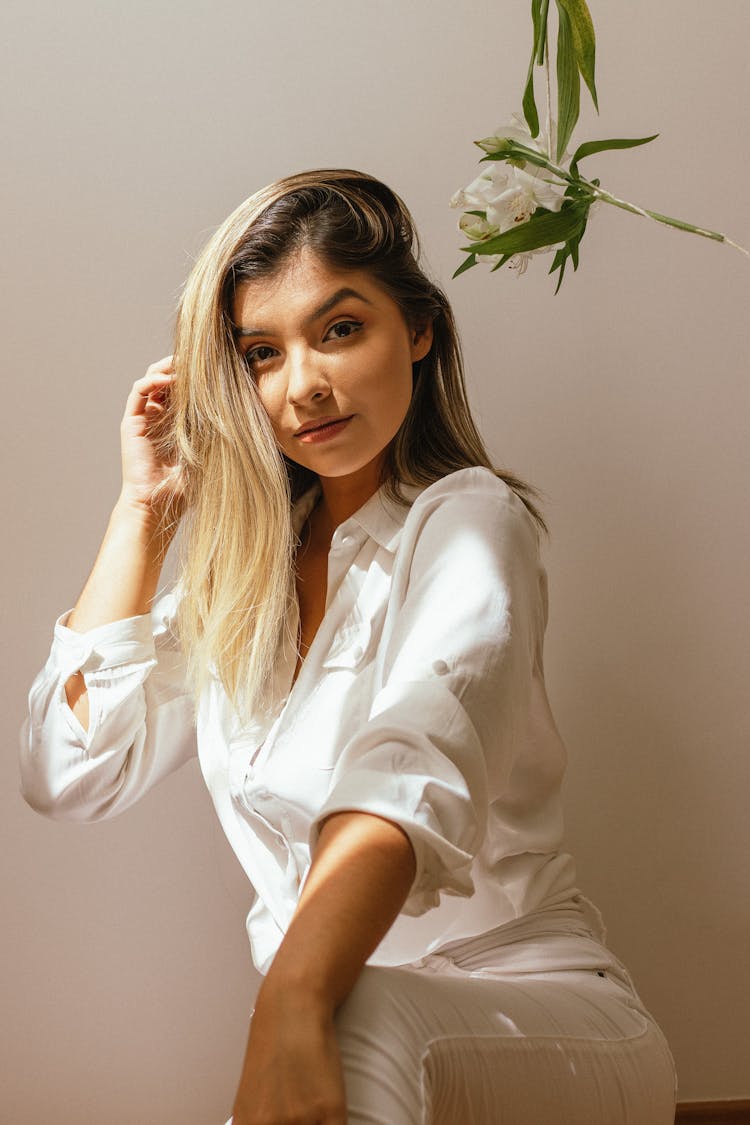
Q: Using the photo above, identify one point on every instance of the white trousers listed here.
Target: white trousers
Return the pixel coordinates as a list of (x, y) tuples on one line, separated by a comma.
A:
[(480, 1035)]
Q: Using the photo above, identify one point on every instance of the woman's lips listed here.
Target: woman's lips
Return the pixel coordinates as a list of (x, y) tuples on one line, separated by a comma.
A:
[(325, 433)]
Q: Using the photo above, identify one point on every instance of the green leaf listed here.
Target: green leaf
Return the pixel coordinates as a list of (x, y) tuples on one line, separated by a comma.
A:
[(470, 261), (584, 40), (529, 105), (561, 267), (574, 244), (568, 252), (540, 230), (542, 37), (501, 263), (559, 258), (591, 147), (568, 84), (680, 224)]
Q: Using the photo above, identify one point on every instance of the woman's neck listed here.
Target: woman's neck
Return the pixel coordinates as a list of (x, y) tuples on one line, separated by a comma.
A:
[(343, 496)]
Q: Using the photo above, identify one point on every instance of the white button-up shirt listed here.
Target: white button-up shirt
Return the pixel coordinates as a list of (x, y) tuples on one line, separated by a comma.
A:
[(421, 699)]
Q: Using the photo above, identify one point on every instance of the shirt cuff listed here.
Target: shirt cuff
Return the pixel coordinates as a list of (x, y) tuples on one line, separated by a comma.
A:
[(129, 641)]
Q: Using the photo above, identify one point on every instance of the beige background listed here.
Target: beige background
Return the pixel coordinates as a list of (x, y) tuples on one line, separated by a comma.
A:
[(130, 131)]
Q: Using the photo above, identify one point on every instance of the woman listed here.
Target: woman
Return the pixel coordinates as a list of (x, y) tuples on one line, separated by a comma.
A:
[(354, 650)]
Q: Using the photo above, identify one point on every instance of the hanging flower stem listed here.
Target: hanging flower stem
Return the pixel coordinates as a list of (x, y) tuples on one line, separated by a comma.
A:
[(607, 197), (549, 98), (595, 192)]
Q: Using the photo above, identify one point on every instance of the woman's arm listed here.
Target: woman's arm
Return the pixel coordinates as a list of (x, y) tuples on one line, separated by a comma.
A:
[(122, 584), (110, 712), (126, 573), (359, 879), (360, 876)]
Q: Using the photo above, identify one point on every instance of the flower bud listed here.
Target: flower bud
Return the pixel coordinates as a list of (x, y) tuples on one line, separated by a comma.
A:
[(494, 145), (476, 228)]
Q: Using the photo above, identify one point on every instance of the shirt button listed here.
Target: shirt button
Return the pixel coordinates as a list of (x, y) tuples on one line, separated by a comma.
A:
[(439, 667), (357, 652)]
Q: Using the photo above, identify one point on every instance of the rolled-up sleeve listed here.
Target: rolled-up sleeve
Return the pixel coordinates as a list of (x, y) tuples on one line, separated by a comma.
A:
[(464, 628), (141, 717)]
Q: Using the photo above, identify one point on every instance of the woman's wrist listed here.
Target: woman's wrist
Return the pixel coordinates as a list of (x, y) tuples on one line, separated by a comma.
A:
[(289, 994), (143, 525)]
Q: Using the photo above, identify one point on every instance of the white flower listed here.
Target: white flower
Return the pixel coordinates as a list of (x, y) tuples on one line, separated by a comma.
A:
[(519, 263), (519, 200), (518, 130), (481, 191), (508, 194)]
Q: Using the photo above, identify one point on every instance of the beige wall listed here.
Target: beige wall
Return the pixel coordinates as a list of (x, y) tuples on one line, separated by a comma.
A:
[(130, 131)]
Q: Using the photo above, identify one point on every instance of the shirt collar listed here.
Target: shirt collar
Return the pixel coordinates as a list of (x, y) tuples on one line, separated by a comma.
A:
[(379, 517)]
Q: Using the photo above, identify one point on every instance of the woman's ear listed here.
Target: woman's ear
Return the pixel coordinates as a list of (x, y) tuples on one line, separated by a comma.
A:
[(421, 340)]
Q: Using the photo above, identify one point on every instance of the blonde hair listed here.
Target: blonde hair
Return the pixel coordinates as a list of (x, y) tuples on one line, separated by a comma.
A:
[(238, 545)]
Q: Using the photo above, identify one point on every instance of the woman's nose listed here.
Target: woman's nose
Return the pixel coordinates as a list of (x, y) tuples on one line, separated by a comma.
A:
[(306, 377)]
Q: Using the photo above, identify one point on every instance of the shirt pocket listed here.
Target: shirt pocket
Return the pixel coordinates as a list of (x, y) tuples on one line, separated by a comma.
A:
[(339, 701)]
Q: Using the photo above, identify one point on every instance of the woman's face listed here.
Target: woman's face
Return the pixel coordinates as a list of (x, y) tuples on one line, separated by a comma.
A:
[(321, 344)]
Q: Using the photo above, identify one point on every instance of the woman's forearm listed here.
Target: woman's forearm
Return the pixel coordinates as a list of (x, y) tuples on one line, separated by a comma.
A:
[(122, 583), (362, 871), (126, 573)]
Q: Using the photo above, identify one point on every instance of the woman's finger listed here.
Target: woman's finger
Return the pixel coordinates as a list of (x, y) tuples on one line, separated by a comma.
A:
[(164, 365), (153, 382)]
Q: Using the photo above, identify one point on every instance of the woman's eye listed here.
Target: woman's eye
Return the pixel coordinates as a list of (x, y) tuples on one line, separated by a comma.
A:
[(257, 355), (351, 327)]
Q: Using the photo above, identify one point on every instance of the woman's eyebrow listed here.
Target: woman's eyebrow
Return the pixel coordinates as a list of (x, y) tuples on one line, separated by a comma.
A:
[(332, 301)]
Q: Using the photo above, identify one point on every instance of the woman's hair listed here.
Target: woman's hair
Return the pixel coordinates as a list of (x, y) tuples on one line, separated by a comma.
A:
[(238, 544)]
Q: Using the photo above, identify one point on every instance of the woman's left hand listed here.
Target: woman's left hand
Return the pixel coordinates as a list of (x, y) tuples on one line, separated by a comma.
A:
[(292, 1070)]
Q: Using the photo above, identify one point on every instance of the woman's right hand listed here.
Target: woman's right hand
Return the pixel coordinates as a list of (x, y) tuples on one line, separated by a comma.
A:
[(149, 482)]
